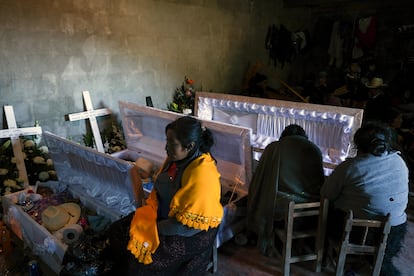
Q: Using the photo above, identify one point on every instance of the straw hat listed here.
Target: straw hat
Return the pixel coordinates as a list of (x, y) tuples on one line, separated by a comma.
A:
[(375, 83), (57, 217)]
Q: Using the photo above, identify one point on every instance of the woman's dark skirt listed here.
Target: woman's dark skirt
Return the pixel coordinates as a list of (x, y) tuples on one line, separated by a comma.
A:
[(176, 255)]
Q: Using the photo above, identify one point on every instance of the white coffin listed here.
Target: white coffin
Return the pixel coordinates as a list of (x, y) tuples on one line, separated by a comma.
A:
[(101, 182), (144, 130), (331, 128)]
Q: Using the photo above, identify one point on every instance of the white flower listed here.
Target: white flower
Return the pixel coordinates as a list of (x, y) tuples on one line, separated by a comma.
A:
[(39, 160), (49, 162), (3, 171), (43, 176), (10, 183), (29, 144), (44, 149)]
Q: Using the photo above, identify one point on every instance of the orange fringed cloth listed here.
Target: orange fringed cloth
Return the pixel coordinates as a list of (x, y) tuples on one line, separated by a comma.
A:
[(196, 204)]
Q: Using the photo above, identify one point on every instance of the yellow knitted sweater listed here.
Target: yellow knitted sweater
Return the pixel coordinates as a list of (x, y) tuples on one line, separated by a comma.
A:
[(196, 204)]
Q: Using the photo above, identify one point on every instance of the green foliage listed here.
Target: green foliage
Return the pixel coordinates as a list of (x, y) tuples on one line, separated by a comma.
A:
[(112, 138), (88, 139), (184, 97)]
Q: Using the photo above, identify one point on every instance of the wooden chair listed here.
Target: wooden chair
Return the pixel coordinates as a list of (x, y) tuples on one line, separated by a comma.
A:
[(364, 245), (213, 264), (319, 212)]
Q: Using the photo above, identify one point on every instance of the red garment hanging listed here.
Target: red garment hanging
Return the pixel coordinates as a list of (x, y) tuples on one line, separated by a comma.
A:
[(366, 31)]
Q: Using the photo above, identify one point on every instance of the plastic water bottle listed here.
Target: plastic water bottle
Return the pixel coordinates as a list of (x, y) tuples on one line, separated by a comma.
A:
[(33, 268)]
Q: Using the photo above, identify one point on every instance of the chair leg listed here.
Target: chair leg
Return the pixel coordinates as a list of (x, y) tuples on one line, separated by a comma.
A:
[(319, 258), (287, 252), (377, 268), (215, 258), (212, 266), (320, 237), (341, 260)]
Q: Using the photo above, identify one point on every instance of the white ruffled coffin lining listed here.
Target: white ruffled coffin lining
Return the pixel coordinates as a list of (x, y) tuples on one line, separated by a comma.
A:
[(330, 131)]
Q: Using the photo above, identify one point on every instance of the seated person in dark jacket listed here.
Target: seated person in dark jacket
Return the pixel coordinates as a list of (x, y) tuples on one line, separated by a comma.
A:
[(290, 167)]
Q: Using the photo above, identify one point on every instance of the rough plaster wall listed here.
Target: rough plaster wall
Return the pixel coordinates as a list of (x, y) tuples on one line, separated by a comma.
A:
[(52, 50)]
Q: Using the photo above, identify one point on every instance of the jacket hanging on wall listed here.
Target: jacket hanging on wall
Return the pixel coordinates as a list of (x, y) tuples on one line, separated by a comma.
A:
[(280, 45), (365, 36)]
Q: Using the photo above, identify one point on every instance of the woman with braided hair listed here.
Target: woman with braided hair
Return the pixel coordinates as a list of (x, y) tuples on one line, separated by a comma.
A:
[(173, 234), (372, 184)]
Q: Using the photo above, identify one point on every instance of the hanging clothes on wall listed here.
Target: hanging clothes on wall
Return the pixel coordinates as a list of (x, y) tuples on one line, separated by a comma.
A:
[(336, 44), (301, 41), (280, 45), (365, 36)]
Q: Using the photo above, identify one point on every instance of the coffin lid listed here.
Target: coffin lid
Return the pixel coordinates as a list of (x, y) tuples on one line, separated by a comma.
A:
[(331, 128), (95, 176), (144, 131)]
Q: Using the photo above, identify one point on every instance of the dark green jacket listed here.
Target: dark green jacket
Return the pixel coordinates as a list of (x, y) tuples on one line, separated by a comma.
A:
[(292, 169)]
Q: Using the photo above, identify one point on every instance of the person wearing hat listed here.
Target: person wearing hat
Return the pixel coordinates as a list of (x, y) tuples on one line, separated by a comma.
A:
[(378, 103)]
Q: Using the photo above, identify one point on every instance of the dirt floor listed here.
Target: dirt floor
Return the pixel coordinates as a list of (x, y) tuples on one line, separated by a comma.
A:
[(246, 261)]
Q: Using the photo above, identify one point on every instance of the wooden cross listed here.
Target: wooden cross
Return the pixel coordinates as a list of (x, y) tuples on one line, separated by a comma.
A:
[(91, 114), (14, 134)]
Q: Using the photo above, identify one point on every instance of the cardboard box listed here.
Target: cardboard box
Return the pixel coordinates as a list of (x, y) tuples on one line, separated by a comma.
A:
[(101, 182), (331, 128), (144, 131)]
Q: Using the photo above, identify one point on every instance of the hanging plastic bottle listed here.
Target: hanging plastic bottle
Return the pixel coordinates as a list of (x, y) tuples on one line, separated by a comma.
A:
[(33, 268)]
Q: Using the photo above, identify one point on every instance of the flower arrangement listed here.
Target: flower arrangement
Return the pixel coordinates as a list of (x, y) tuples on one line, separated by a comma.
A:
[(112, 139), (39, 166), (183, 98)]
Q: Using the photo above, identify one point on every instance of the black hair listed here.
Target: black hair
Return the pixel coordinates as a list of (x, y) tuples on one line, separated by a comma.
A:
[(293, 129), (374, 138), (188, 129)]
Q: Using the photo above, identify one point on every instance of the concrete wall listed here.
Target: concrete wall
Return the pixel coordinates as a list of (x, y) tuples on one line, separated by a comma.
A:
[(52, 50)]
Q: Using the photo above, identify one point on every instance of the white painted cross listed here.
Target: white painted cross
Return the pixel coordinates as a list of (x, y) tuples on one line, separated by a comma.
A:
[(14, 134), (91, 114)]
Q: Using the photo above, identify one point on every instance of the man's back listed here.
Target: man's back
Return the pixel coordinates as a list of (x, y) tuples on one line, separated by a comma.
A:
[(290, 168), (300, 172)]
